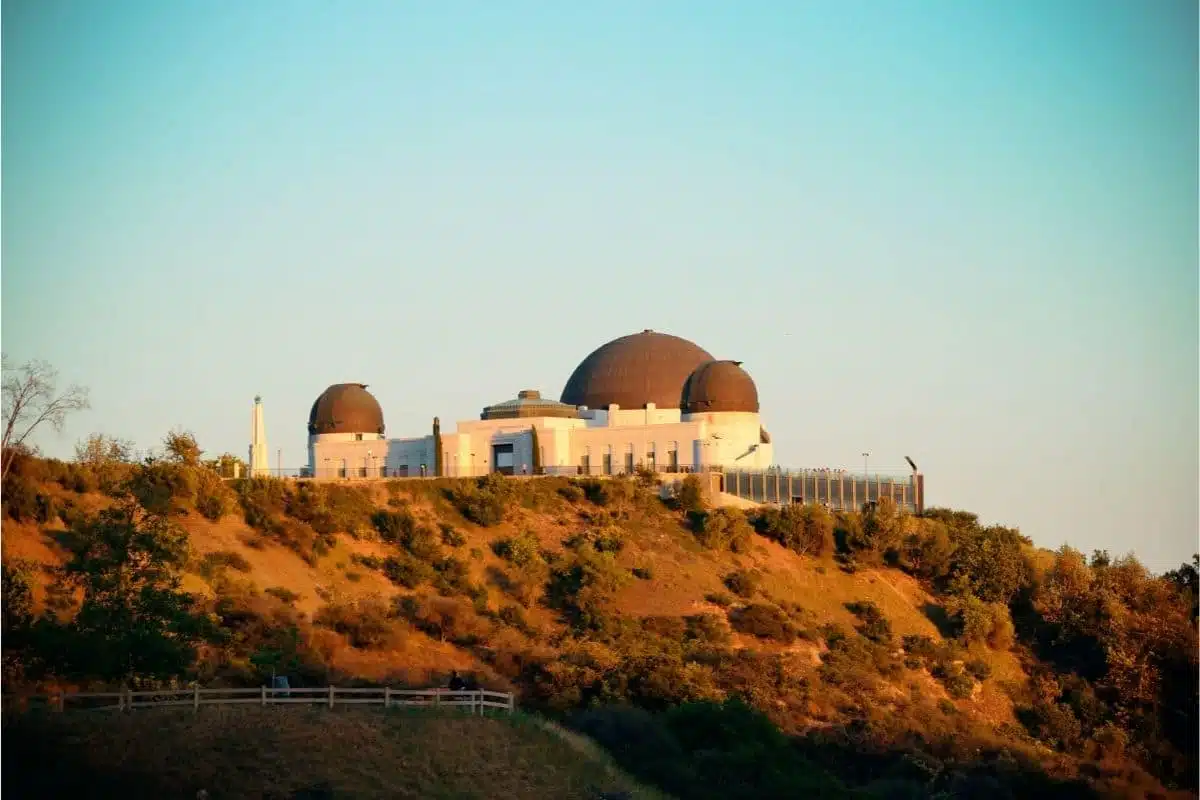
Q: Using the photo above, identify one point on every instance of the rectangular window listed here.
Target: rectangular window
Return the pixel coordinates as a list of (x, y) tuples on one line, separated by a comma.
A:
[(608, 463), (651, 460), (342, 471), (629, 463), (585, 464), (673, 457), (358, 437)]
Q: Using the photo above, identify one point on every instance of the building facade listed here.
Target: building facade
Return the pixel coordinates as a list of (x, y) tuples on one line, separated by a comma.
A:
[(647, 400)]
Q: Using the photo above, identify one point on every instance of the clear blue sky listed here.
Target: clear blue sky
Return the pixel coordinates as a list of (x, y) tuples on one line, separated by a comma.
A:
[(964, 232)]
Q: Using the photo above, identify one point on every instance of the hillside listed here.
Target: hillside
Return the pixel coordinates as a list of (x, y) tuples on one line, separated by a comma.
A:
[(923, 653), (293, 752)]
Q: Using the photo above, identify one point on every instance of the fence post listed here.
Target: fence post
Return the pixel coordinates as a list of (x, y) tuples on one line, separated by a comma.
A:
[(196, 697), (128, 699), (387, 696), (331, 696), (263, 694), (512, 702), (62, 702), (437, 696)]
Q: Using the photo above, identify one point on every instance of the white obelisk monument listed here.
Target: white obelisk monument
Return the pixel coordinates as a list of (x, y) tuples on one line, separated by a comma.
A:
[(259, 463)]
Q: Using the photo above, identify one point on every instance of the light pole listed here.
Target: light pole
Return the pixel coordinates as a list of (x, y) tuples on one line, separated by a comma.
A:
[(370, 465), (866, 470)]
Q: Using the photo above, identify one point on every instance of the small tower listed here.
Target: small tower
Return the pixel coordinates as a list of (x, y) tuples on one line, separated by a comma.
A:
[(259, 462)]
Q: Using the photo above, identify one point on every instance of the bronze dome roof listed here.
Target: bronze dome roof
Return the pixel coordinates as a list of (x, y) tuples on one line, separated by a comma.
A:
[(634, 370), (719, 386), (346, 408)]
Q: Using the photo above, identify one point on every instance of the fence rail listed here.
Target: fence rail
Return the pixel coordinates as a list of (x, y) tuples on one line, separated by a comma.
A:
[(476, 700)]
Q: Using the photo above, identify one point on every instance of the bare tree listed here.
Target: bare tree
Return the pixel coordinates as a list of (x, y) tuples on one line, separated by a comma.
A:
[(30, 401)]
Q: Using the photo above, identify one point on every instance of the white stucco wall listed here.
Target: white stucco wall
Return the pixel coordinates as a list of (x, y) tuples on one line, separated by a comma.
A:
[(728, 439)]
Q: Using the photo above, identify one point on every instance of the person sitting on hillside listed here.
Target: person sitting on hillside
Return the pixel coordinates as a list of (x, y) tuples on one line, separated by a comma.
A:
[(456, 683)]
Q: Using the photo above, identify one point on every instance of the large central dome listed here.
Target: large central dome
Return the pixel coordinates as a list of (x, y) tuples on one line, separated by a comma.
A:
[(346, 408), (634, 370)]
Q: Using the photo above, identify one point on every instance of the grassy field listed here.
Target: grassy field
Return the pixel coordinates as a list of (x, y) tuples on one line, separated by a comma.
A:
[(300, 753)]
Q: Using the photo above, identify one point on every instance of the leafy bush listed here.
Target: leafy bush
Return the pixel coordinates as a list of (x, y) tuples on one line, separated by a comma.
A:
[(875, 626), (20, 498), (521, 550), (689, 495), (607, 539), (645, 573), (393, 526), (162, 487), (805, 529), (349, 508), (214, 563), (958, 685), (284, 595), (980, 622), (765, 622), (979, 669), (723, 599), (582, 583), (614, 491), (742, 583), (262, 500), (213, 498), (447, 619), (407, 571), (721, 529), (483, 501), (366, 624), (452, 537), (452, 576)]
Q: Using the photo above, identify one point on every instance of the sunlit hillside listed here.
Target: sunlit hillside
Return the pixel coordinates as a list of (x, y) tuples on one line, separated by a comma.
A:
[(894, 651)]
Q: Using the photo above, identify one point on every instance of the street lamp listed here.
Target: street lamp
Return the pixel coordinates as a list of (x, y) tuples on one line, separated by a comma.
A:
[(370, 465), (865, 456)]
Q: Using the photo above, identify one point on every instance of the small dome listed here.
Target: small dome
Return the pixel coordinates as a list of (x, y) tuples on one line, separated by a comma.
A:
[(719, 386), (633, 371), (346, 408)]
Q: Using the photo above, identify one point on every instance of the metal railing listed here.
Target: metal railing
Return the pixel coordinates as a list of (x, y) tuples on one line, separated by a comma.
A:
[(592, 470), (476, 700)]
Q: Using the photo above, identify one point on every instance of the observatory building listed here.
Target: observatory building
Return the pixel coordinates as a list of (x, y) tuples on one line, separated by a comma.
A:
[(647, 400)]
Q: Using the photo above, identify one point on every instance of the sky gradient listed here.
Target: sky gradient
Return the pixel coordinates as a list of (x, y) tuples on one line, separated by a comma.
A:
[(960, 232)]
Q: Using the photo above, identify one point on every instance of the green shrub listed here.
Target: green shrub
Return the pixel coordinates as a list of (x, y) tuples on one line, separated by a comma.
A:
[(452, 537), (689, 495), (765, 622), (393, 526), (742, 583), (366, 624), (721, 529), (645, 573), (483, 501), (262, 500), (162, 487), (521, 550), (212, 564), (958, 685), (285, 596), (407, 571), (213, 498), (723, 599), (978, 669), (607, 539), (20, 498), (452, 576), (806, 529), (582, 583), (875, 626), (571, 492), (609, 491)]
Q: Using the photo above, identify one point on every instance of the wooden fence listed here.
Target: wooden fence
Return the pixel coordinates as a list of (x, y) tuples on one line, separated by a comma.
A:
[(476, 700)]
